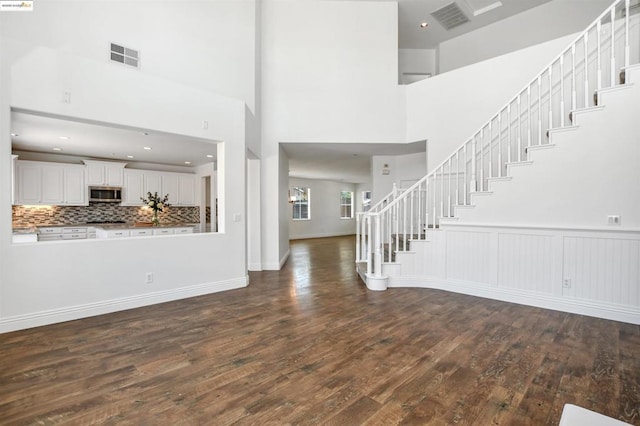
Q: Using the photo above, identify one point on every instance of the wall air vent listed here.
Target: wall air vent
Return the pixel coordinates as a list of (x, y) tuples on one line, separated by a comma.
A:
[(450, 16), (124, 55)]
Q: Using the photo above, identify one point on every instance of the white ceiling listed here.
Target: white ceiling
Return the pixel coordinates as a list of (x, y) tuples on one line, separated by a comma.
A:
[(341, 162), (41, 133), (413, 12)]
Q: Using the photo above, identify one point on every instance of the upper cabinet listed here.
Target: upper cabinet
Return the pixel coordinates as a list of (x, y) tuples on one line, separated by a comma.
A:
[(104, 173), (181, 187), (38, 182)]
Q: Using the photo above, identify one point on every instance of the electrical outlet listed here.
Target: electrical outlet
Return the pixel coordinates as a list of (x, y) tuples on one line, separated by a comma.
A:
[(613, 220), (566, 283), (148, 277)]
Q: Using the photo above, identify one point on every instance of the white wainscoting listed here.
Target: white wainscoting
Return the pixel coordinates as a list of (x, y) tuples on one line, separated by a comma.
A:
[(531, 266), (603, 268)]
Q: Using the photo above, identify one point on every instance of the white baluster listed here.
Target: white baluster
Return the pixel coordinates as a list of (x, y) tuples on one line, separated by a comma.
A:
[(457, 179), (626, 34), (442, 190), (481, 188), (377, 256), (404, 219), (529, 113), (550, 96), (562, 90), (370, 247), (500, 144), (519, 138), (586, 69), (573, 77), (473, 183), (490, 148), (598, 55), (509, 130), (449, 195), (358, 236), (613, 47), (464, 180), (434, 188)]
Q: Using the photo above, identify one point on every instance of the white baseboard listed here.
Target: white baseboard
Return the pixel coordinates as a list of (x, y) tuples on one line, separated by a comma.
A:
[(255, 266), (272, 266), (326, 235), (612, 312), (70, 313)]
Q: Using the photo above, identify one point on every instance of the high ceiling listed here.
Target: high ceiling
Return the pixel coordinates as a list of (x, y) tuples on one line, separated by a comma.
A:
[(411, 13)]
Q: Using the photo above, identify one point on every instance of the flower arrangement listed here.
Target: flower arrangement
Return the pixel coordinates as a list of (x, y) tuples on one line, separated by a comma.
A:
[(156, 204)]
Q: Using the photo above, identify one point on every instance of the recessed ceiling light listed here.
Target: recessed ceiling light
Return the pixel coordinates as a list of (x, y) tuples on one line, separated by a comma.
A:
[(14, 134), (148, 148), (209, 155), (145, 133), (187, 162), (129, 156), (57, 149), (64, 138), (424, 25)]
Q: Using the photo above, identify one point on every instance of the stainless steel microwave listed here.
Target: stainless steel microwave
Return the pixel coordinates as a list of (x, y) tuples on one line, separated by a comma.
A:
[(105, 194)]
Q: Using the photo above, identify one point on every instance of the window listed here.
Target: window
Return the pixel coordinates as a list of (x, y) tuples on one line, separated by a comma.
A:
[(346, 205), (301, 200), (366, 201)]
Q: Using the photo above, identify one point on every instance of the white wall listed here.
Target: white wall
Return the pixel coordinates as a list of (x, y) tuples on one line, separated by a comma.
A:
[(404, 171), (416, 61), (591, 173), (47, 282), (548, 21), (447, 109), (324, 82), (325, 218)]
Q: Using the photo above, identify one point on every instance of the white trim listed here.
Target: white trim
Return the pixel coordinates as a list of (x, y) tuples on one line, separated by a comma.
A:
[(325, 235), (272, 266), (255, 267), (53, 316), (604, 310)]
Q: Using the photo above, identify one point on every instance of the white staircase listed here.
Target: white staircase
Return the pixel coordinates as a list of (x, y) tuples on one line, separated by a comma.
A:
[(402, 241)]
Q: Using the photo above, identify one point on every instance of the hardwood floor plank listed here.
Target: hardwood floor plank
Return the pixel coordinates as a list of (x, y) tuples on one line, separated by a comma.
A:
[(311, 345)]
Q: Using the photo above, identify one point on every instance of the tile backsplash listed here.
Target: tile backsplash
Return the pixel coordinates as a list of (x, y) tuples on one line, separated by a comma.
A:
[(62, 215)]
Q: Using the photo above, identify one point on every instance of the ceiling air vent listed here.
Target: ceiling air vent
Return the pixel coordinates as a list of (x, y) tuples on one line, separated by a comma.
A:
[(125, 55), (450, 16)]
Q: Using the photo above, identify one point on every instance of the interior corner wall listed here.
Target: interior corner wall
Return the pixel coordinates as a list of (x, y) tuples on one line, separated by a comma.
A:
[(283, 207), (448, 109), (551, 20), (416, 61), (325, 218)]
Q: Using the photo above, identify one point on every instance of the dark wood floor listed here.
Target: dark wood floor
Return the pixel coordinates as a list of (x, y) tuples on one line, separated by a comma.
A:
[(310, 345)]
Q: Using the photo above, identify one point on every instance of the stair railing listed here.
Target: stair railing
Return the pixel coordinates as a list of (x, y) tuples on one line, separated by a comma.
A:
[(587, 65)]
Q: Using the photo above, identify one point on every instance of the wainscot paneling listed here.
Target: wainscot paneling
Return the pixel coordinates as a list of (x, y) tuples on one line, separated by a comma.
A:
[(526, 262), (469, 257), (603, 269)]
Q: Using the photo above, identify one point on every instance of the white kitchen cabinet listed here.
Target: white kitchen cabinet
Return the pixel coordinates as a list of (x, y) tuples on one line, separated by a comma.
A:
[(138, 183), (170, 185), (28, 182), (141, 232), (39, 182), (75, 189), (14, 158), (164, 231), (104, 173), (133, 188), (52, 185), (187, 190), (153, 183)]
